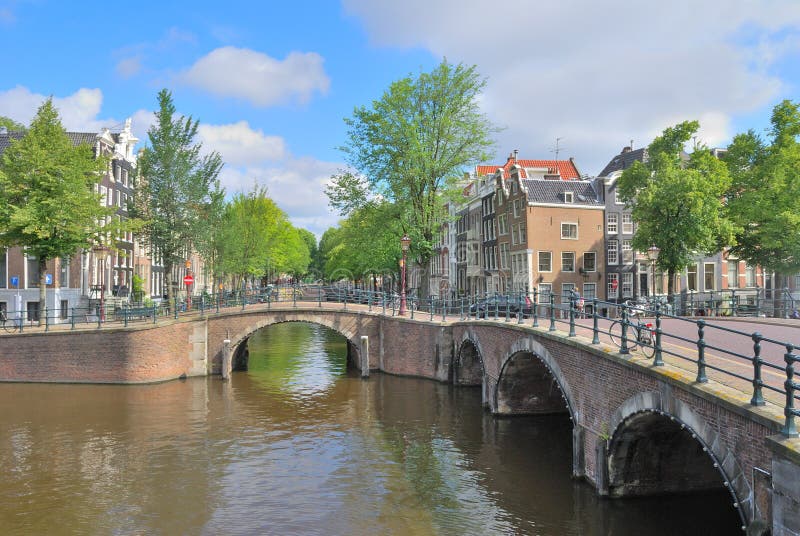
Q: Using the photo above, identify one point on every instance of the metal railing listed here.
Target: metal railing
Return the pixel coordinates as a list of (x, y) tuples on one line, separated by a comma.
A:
[(709, 349)]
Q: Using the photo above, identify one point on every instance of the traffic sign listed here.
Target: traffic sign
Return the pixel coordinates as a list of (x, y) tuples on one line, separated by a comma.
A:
[(48, 279), (188, 279), (14, 280), (614, 284)]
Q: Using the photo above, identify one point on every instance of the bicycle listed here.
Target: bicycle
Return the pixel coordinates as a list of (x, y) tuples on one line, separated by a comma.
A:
[(10, 326), (639, 333)]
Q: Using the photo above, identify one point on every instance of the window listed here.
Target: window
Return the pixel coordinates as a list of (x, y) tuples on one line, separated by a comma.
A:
[(567, 261), (545, 289), (627, 224), (589, 291), (611, 252), (589, 261), (502, 224), (691, 277), (627, 252), (521, 233), (64, 311), (514, 239), (516, 208), (617, 200), (33, 311), (612, 220), (63, 276), (568, 197), (33, 272), (545, 261), (733, 273), (627, 284), (750, 276), (613, 285), (504, 256), (569, 231), (708, 276)]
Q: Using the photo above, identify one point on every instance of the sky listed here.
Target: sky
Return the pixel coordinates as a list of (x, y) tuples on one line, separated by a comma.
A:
[(272, 82)]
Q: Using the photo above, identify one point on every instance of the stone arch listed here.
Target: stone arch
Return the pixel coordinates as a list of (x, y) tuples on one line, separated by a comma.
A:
[(468, 368), (660, 446), (529, 361), (241, 336), (469, 338)]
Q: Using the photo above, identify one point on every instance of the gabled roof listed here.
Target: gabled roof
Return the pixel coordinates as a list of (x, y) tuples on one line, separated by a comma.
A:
[(552, 192), (566, 169), (624, 160)]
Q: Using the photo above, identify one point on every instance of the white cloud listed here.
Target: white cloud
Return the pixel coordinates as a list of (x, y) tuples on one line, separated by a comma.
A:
[(599, 74), (78, 111), (129, 67), (257, 78), (240, 145)]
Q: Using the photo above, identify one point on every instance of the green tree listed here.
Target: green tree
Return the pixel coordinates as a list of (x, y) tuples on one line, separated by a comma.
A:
[(11, 125), (313, 251), (48, 203), (677, 204), (210, 237), (413, 144), (174, 187), (764, 193)]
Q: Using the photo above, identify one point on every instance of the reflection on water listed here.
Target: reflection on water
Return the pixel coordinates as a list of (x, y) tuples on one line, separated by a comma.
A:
[(296, 445)]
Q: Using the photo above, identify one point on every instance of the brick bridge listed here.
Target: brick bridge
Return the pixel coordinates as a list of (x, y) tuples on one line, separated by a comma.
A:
[(637, 429)]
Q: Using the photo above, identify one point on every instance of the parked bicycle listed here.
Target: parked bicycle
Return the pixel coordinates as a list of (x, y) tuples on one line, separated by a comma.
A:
[(9, 324), (640, 333)]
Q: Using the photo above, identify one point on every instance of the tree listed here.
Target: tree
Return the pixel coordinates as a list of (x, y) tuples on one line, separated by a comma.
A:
[(174, 187), (676, 204), (48, 203), (764, 192), (313, 252), (413, 144), (11, 125)]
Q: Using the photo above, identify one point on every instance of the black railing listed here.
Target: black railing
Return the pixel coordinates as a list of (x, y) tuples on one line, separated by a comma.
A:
[(712, 350)]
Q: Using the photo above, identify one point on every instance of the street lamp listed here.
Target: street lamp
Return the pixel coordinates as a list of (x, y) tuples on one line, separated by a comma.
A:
[(652, 256), (101, 252), (405, 243)]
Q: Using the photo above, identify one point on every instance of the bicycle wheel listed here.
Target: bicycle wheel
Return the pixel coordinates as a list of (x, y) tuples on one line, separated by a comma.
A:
[(615, 334), (9, 326), (647, 342)]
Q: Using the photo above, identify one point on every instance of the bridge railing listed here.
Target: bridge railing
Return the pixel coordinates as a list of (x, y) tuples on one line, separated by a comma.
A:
[(712, 350)]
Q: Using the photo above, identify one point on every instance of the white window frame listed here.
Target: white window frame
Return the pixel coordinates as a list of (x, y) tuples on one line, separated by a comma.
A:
[(612, 223), (539, 260), (627, 252), (564, 256), (612, 292), (568, 225), (627, 284), (592, 254), (569, 197), (612, 252), (713, 273), (627, 223), (691, 270)]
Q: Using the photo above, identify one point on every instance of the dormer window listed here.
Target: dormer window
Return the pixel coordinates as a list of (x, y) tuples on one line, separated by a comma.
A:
[(568, 197)]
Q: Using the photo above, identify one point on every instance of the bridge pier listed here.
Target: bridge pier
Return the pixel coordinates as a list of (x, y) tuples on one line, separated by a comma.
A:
[(227, 359), (364, 356)]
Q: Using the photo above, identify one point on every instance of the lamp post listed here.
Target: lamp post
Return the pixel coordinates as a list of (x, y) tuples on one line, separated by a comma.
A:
[(652, 256), (405, 243), (188, 266), (101, 252)]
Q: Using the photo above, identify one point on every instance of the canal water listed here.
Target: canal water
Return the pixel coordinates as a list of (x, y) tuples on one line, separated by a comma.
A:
[(298, 445)]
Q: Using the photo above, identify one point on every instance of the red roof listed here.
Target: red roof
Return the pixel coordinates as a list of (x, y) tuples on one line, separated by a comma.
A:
[(565, 168)]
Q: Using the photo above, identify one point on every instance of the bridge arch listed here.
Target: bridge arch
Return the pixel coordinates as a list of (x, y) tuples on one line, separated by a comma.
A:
[(529, 369), (661, 446), (469, 367), (241, 336)]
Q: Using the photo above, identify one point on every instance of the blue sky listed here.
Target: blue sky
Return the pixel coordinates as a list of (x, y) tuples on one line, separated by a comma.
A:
[(272, 81)]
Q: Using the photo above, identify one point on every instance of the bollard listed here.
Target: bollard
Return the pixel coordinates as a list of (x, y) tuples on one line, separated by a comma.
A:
[(758, 397), (552, 312), (175, 307), (572, 317), (430, 306), (72, 320), (125, 315), (789, 428), (658, 358), (701, 353), (595, 330), (535, 308), (46, 322), (364, 356), (623, 340)]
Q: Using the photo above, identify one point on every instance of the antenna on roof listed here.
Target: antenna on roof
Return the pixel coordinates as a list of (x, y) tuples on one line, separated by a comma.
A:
[(557, 149)]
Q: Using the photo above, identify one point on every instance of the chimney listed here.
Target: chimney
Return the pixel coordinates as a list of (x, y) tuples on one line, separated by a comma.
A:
[(626, 150), (516, 152)]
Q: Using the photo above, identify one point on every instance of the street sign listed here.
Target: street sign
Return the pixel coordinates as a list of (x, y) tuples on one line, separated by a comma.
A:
[(188, 280), (48, 279), (614, 284), (14, 280)]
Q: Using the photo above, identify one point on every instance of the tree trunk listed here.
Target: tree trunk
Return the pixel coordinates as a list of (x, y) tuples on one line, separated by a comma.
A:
[(168, 282), (42, 289)]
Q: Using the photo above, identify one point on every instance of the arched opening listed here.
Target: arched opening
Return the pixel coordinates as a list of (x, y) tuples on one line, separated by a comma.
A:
[(468, 369), (527, 387), (653, 454)]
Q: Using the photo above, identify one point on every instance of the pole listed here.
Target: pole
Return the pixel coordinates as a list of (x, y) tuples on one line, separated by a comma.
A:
[(403, 286)]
